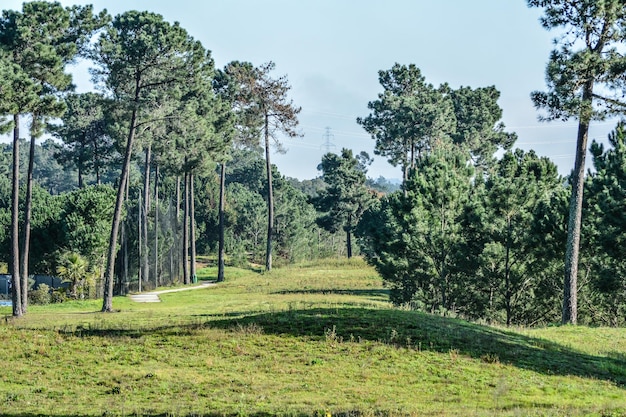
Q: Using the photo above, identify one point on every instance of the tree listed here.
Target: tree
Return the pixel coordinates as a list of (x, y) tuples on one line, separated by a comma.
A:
[(606, 229), (73, 268), (88, 145), (138, 55), (520, 181), (417, 251), (409, 116), (86, 223), (346, 198), (240, 126), (269, 105), (19, 96), (478, 125), (42, 39), (585, 81)]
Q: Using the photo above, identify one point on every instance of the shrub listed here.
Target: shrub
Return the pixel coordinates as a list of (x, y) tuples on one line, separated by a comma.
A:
[(41, 295), (59, 295)]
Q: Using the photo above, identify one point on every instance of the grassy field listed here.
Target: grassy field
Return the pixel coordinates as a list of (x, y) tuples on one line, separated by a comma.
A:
[(312, 339)]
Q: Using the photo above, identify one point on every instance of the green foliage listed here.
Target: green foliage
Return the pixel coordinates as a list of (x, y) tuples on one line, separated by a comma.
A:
[(73, 268), (585, 81), (420, 247), (41, 296), (408, 117), (88, 145), (509, 258), (605, 230), (587, 55), (86, 222), (345, 199), (478, 125)]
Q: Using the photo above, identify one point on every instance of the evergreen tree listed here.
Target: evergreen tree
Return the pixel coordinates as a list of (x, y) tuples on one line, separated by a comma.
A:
[(518, 184), (88, 146), (140, 55), (346, 198), (478, 125), (585, 81), (409, 116), (269, 108), (606, 228), (417, 251)]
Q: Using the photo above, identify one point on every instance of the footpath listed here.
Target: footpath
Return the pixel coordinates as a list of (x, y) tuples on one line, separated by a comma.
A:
[(153, 296)]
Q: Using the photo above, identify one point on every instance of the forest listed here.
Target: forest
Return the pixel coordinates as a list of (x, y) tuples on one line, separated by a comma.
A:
[(168, 159)]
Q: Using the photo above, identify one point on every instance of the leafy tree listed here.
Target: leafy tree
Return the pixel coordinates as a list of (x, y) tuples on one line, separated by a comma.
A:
[(585, 81), (346, 198), (41, 40), (19, 97), (138, 55), (409, 116), (86, 223)]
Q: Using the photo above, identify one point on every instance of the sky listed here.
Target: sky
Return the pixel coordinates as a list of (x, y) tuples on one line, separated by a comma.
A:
[(331, 52)]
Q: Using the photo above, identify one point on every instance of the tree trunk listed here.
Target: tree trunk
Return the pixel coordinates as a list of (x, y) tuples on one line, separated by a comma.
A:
[(81, 182), (507, 275), (15, 199), (220, 251), (145, 250), (28, 212), (124, 239), (186, 232), (349, 243), (177, 237), (96, 163), (192, 226), (140, 246), (570, 284), (107, 303), (270, 199), (156, 224)]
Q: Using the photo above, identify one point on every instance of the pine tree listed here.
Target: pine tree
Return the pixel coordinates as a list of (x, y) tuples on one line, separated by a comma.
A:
[(346, 198), (585, 81)]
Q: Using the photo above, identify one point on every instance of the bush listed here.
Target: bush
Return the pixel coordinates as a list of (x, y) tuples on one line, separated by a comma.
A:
[(59, 295), (41, 295)]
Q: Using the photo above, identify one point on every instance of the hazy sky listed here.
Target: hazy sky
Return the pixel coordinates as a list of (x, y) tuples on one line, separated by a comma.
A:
[(332, 50)]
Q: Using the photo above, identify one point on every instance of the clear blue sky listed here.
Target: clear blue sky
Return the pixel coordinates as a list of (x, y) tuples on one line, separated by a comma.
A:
[(332, 50)]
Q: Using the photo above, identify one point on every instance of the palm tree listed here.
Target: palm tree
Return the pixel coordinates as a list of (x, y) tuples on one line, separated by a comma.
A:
[(73, 269)]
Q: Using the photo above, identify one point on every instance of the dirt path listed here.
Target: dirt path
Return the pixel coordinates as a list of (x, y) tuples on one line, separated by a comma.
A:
[(153, 296)]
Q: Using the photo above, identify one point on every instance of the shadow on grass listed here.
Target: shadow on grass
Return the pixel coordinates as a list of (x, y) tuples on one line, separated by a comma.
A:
[(407, 329), (399, 328), (434, 333), (378, 294)]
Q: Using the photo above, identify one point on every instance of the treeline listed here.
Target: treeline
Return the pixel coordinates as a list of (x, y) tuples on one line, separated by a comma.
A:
[(163, 120), (172, 157), (491, 246), (480, 236), (54, 231)]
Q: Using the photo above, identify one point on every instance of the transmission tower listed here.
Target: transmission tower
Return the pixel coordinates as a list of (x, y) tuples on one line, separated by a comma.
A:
[(327, 140)]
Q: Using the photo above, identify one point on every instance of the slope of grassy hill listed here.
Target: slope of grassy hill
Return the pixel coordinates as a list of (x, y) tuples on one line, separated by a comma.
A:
[(311, 339)]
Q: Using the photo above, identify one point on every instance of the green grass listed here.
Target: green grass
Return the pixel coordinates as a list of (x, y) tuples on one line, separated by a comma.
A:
[(307, 340)]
